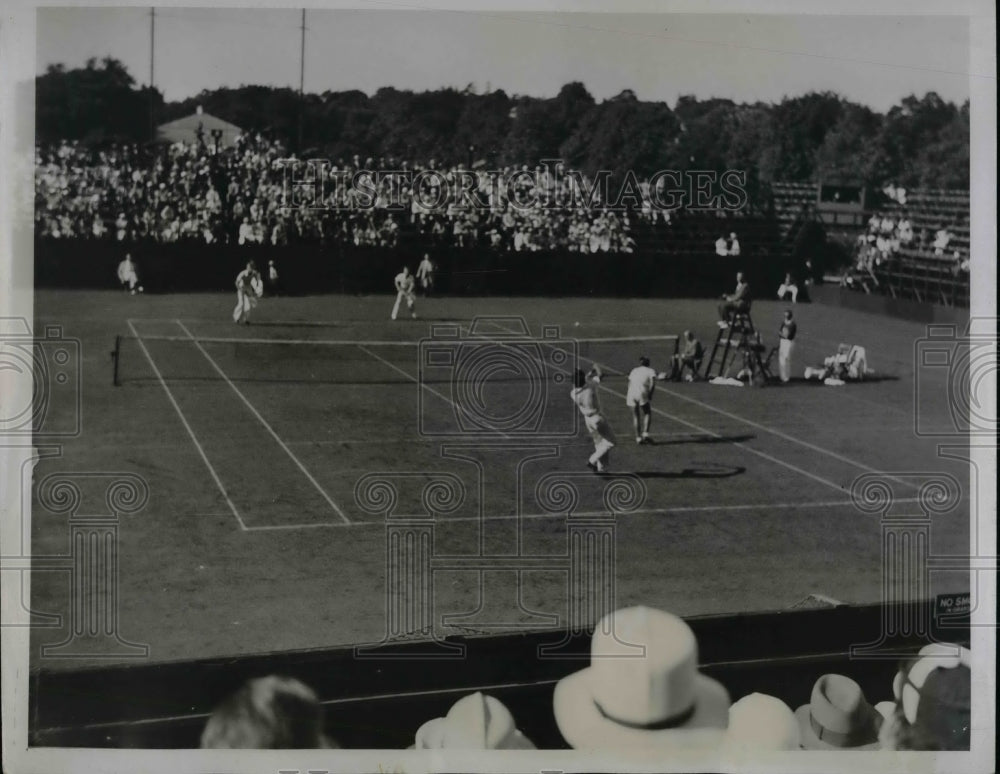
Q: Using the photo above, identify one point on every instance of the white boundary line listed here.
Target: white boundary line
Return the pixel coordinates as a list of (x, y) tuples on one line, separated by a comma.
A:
[(252, 340), (766, 429), (789, 438), (537, 516), (264, 422), (177, 408), (365, 342), (757, 452), (427, 387)]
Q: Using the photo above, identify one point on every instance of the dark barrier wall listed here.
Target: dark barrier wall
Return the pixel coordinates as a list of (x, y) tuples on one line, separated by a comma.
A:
[(348, 269), (904, 308), (381, 702)]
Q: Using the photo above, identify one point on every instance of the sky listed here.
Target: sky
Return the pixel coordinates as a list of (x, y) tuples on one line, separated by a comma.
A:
[(874, 60)]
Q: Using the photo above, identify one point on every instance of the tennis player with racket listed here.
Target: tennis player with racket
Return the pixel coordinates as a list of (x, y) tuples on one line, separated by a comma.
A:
[(404, 292), (249, 287)]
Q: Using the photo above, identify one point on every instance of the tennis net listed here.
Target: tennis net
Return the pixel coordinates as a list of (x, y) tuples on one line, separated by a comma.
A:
[(138, 360)]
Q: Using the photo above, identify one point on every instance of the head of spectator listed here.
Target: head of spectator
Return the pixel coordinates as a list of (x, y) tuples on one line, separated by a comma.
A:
[(933, 696), (269, 713), (642, 688), (474, 722), (759, 723), (838, 717), (688, 336)]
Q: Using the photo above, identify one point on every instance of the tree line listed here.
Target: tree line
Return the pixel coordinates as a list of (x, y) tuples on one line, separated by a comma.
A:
[(921, 142)]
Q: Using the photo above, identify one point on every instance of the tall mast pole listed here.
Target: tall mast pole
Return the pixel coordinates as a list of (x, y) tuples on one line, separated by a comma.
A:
[(152, 49), (302, 78)]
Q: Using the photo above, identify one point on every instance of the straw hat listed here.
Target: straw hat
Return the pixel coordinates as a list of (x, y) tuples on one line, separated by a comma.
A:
[(642, 687)]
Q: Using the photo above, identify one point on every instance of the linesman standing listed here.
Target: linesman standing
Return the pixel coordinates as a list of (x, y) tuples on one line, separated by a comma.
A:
[(786, 343)]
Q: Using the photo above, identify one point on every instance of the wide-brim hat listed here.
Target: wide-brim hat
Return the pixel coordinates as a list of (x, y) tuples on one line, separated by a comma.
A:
[(642, 688), (838, 717)]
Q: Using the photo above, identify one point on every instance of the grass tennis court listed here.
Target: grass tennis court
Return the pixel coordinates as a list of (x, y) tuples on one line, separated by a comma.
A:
[(252, 440)]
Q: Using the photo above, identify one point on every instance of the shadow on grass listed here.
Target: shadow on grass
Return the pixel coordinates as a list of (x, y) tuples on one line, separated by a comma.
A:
[(705, 438), (708, 471), (347, 323), (798, 381)]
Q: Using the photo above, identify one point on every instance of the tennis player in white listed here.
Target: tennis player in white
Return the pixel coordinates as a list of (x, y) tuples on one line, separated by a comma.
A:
[(584, 395), (404, 292), (128, 276), (641, 385), (249, 287)]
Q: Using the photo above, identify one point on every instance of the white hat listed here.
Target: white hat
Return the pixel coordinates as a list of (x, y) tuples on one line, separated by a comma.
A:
[(760, 722), (642, 687), (475, 722)]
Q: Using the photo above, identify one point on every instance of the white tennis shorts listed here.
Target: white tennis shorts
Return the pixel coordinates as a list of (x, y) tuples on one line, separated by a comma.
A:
[(599, 429), (636, 397)]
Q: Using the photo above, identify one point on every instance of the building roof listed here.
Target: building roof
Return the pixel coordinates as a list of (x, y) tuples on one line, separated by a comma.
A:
[(186, 129)]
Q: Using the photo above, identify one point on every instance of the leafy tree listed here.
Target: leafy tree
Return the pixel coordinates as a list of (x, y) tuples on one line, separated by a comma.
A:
[(97, 102), (923, 141)]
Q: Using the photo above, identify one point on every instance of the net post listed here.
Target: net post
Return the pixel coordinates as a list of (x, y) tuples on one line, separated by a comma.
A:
[(115, 355)]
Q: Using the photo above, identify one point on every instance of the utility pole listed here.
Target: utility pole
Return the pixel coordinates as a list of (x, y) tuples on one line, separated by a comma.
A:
[(152, 87), (302, 78)]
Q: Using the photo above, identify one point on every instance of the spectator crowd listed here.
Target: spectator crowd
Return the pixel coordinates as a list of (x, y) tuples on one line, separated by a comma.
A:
[(643, 689), (196, 191), (886, 236)]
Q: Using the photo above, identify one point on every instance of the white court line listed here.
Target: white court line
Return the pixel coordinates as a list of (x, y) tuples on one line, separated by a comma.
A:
[(177, 408), (363, 342), (251, 340), (264, 422), (427, 387), (547, 515), (700, 429), (772, 431), (789, 438)]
